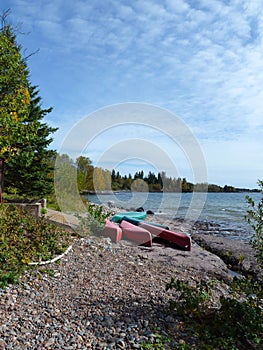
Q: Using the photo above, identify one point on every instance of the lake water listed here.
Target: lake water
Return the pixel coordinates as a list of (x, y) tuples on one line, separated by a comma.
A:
[(225, 210)]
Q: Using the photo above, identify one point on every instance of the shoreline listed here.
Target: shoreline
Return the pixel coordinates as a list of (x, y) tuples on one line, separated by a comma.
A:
[(100, 296), (228, 210), (236, 253), (223, 254), (104, 295)]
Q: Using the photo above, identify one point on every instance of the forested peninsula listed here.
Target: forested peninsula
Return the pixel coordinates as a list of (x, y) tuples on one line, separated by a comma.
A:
[(92, 179)]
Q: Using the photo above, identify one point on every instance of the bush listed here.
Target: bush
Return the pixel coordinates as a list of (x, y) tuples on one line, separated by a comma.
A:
[(24, 239), (255, 218), (95, 220), (234, 324)]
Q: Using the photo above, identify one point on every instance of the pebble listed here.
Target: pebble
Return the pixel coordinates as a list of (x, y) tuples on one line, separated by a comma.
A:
[(2, 344), (120, 344), (50, 342), (95, 300)]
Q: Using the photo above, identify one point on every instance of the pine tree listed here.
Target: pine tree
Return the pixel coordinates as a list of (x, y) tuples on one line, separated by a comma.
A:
[(34, 178), (24, 138)]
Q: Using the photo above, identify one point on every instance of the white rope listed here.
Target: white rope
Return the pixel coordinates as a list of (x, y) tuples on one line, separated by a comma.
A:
[(52, 260)]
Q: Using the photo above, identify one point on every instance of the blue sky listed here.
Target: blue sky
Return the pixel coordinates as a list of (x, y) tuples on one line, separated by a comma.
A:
[(200, 60)]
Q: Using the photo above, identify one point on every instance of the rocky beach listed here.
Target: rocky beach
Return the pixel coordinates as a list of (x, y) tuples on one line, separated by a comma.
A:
[(103, 295)]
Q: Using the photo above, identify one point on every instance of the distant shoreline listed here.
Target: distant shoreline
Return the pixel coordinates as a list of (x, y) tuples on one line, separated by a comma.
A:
[(110, 192)]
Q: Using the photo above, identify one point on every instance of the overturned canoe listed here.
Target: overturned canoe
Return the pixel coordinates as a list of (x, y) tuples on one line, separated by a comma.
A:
[(112, 231), (181, 240), (131, 214), (136, 234), (137, 222)]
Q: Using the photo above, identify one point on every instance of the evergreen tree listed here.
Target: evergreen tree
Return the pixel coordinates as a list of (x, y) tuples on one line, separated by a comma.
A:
[(113, 175), (14, 95), (24, 138)]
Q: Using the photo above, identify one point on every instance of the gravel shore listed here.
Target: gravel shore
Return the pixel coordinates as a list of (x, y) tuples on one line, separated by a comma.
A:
[(102, 296)]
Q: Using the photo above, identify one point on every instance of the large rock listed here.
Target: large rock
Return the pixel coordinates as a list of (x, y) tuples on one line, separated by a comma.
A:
[(238, 255)]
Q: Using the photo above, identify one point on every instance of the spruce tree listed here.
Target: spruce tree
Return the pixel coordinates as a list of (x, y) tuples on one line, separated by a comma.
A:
[(24, 137)]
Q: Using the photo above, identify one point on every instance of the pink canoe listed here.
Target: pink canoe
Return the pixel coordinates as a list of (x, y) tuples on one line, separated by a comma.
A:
[(180, 239), (136, 234), (112, 231)]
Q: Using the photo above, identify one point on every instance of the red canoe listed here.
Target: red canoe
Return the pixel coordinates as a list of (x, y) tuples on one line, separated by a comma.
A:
[(136, 234), (180, 239), (112, 231)]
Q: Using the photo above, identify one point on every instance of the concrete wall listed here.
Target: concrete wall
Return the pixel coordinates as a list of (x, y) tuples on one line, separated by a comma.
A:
[(33, 208)]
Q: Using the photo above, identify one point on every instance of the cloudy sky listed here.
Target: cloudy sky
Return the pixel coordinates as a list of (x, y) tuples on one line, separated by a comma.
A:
[(200, 60)]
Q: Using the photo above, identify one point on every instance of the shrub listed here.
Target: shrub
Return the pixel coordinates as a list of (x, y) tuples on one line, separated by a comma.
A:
[(255, 218), (95, 220), (234, 324), (23, 239)]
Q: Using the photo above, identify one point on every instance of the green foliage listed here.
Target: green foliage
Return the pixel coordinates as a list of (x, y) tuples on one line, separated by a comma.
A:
[(101, 179), (158, 343), (162, 182), (98, 212), (14, 96), (47, 271), (241, 258), (35, 177), (95, 220), (23, 239), (66, 186), (85, 174), (255, 218), (235, 324), (247, 287), (43, 211), (191, 298), (82, 176), (52, 202), (24, 137)]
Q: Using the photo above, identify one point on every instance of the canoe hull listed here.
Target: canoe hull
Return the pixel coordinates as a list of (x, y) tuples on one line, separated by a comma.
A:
[(131, 214), (181, 240), (136, 234), (137, 222), (112, 231)]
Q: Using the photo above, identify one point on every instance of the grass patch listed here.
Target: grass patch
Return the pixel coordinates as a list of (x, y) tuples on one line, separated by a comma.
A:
[(23, 239)]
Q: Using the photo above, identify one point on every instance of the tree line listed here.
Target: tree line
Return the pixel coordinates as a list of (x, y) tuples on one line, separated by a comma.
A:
[(91, 179)]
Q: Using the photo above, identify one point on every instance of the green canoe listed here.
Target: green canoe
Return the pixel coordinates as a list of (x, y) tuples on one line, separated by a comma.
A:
[(131, 214), (137, 222)]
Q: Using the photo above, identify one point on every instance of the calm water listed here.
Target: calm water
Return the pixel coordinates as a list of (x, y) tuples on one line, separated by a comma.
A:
[(227, 210)]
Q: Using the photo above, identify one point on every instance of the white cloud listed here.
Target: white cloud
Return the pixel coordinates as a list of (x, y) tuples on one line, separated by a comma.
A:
[(178, 6), (203, 60)]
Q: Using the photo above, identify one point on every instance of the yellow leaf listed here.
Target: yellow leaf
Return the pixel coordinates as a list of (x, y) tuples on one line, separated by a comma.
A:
[(24, 261), (14, 116)]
